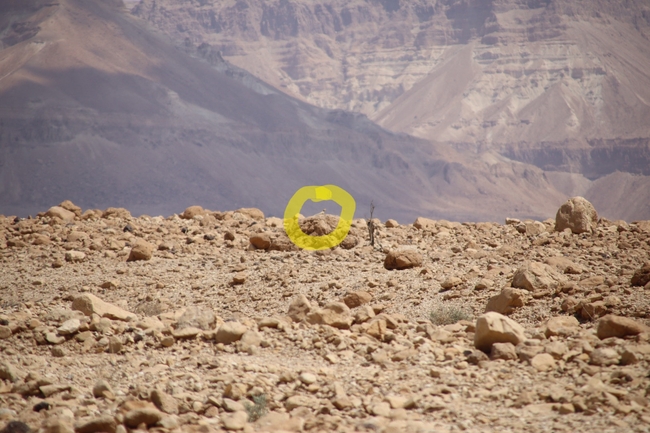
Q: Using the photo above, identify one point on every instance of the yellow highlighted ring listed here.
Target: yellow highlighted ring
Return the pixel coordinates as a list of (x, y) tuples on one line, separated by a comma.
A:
[(316, 194)]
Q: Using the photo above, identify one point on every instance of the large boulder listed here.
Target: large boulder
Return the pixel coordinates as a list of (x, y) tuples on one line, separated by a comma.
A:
[(576, 214), (495, 328), (536, 277), (403, 258)]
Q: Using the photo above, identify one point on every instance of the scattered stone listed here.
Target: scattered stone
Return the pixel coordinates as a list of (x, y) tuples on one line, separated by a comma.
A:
[(604, 356), (5, 332), (403, 258), (495, 328), (617, 326), (506, 301), (142, 250), (75, 256), (505, 351), (90, 304), (261, 241), (102, 389), (335, 314), (69, 327), (235, 420), (641, 276), (578, 215), (191, 212), (146, 415), (299, 308), (543, 362), (164, 401), (60, 212), (105, 423), (536, 277), (230, 332), (561, 325), (356, 299), (451, 282), (197, 317)]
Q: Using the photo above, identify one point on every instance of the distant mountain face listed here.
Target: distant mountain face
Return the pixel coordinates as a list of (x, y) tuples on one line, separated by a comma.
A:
[(97, 108), (556, 83)]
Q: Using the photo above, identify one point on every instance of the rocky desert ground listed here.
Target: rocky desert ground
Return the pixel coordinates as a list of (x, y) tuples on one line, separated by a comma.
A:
[(209, 321)]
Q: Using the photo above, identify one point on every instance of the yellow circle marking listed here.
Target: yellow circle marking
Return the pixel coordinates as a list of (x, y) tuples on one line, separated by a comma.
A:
[(316, 194)]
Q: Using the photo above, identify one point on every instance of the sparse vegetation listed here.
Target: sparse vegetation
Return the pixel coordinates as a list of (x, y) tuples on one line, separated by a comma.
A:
[(257, 409), (448, 315)]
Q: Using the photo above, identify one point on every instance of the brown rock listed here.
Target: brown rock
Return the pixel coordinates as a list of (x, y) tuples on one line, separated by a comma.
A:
[(90, 304), (164, 402), (425, 224), (495, 328), (356, 299), (230, 332), (506, 301), (146, 415), (578, 215), (191, 212), (104, 423), (61, 213), (403, 258), (335, 314), (617, 326), (197, 317), (75, 256), (604, 356), (543, 362), (561, 325), (299, 308), (261, 241), (142, 250), (252, 213), (235, 420), (641, 276), (69, 206), (536, 277), (505, 351)]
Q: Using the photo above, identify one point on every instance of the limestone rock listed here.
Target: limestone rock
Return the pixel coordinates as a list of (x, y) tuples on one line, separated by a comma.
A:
[(495, 328), (102, 389), (536, 277), (69, 206), (142, 250), (90, 304), (506, 301), (299, 308), (230, 332), (424, 224), (335, 314), (403, 258), (641, 276), (61, 213), (617, 326), (578, 215)]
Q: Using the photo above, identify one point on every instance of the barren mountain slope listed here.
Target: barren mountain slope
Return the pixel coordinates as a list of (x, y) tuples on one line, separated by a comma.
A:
[(97, 108), (560, 84)]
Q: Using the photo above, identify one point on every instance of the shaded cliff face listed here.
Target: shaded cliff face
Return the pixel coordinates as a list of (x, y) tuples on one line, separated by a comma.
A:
[(505, 75), (97, 108)]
